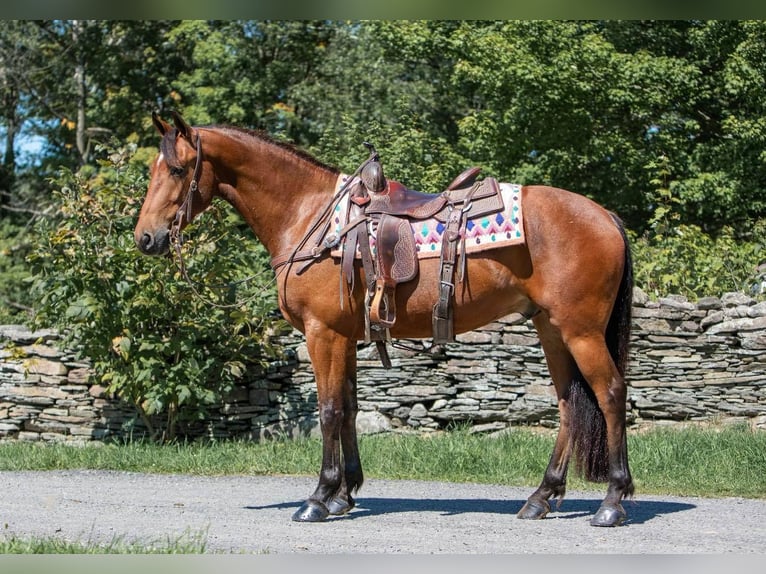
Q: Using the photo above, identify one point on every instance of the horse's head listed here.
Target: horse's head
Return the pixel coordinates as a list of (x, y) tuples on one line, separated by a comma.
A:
[(181, 186)]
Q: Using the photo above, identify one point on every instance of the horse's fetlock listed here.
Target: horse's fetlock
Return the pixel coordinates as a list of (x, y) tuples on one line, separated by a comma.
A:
[(331, 478), (620, 485)]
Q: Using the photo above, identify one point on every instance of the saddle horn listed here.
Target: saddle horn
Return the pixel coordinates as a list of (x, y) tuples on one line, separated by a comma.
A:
[(372, 173)]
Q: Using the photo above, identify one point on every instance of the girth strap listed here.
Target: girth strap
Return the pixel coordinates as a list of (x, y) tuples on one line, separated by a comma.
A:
[(441, 321)]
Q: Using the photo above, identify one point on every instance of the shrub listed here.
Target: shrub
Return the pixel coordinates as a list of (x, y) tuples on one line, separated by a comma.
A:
[(685, 260), (152, 341), (15, 244)]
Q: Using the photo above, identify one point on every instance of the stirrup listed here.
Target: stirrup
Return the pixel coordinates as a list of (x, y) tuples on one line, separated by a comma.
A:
[(382, 307)]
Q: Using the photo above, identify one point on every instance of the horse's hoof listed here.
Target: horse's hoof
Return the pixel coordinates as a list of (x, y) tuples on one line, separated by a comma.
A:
[(609, 515), (338, 506), (311, 511), (534, 510)]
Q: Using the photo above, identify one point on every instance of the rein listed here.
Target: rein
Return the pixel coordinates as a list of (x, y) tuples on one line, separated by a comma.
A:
[(176, 238), (278, 263), (309, 255)]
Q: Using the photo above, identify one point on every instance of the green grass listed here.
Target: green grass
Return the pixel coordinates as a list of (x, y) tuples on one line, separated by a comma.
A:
[(185, 544), (710, 461), (707, 462)]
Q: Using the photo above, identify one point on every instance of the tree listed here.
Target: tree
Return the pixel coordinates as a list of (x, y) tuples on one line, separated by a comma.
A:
[(241, 72), (556, 103), (20, 64), (385, 82)]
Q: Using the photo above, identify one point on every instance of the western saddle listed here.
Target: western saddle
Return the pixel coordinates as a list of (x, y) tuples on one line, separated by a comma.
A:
[(389, 208)]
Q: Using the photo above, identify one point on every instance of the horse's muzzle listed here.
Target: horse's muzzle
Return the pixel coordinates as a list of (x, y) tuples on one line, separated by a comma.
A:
[(157, 243)]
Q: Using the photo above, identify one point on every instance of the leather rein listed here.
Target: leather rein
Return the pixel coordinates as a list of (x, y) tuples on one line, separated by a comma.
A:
[(278, 263), (322, 221)]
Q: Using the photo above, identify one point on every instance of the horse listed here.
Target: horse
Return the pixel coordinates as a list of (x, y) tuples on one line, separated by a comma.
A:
[(572, 276)]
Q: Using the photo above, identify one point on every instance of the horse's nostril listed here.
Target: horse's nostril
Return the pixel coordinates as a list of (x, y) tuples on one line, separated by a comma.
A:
[(153, 242), (147, 241)]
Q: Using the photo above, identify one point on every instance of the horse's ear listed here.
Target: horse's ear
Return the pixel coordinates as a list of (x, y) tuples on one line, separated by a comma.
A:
[(183, 128), (162, 126)]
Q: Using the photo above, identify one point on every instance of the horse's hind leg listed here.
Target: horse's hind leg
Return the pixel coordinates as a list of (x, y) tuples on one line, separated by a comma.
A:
[(334, 360), (563, 370), (591, 394)]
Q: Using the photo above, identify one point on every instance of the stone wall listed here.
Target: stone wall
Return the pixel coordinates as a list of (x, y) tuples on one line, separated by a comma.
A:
[(689, 362)]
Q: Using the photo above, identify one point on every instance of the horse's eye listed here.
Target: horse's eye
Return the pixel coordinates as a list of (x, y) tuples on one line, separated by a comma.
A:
[(176, 171)]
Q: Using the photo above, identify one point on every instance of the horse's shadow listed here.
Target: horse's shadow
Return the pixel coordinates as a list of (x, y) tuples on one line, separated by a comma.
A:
[(639, 511)]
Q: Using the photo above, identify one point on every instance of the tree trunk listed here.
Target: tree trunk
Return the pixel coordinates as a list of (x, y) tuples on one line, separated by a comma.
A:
[(83, 147)]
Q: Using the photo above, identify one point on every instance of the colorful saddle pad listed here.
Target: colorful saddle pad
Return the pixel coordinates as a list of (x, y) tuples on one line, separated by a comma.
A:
[(482, 233)]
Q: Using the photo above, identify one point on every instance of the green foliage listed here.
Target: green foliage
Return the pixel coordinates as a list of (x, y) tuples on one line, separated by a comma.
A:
[(15, 302), (152, 340), (585, 105), (673, 257), (239, 72), (687, 261)]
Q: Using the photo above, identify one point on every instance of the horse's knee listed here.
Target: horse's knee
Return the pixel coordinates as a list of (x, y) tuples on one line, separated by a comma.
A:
[(331, 415)]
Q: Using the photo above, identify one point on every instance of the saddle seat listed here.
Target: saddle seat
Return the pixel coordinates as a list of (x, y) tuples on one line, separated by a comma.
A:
[(398, 200)]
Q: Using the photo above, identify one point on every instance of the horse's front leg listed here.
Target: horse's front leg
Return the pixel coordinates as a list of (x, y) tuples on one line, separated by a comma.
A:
[(333, 358)]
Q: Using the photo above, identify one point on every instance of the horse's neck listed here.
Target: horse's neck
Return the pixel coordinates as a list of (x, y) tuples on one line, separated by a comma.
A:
[(279, 194)]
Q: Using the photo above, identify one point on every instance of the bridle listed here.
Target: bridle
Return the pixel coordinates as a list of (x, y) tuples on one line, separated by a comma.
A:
[(185, 210), (176, 238)]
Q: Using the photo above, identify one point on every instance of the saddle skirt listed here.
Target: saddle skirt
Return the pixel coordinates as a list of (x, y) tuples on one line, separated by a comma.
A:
[(500, 228)]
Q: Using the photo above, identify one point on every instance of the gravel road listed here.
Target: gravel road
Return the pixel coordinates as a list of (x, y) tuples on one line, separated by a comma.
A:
[(237, 514)]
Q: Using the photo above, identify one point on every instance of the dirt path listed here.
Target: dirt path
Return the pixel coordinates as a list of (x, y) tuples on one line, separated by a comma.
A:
[(252, 515)]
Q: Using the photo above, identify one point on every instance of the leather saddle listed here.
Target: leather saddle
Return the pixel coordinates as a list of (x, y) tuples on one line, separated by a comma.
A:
[(391, 207)]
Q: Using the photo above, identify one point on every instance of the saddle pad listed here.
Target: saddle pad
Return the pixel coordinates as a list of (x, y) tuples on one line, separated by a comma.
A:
[(499, 229)]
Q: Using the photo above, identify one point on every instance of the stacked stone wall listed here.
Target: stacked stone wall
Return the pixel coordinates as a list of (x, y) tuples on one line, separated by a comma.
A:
[(703, 361)]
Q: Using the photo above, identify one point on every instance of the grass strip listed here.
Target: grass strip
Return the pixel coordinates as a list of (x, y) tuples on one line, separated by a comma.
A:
[(709, 461), (185, 544)]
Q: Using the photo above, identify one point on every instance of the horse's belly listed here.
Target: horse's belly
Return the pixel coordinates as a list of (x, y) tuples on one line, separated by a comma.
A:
[(491, 291)]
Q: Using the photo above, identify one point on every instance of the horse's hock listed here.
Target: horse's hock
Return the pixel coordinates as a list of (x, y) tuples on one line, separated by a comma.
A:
[(703, 361)]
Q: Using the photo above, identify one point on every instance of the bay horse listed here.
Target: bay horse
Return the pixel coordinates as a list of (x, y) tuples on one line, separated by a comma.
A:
[(572, 276)]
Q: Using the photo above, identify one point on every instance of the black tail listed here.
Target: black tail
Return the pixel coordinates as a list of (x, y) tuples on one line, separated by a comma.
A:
[(587, 424), (618, 329)]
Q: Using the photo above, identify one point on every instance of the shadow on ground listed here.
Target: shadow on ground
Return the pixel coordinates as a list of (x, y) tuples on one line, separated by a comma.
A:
[(639, 511)]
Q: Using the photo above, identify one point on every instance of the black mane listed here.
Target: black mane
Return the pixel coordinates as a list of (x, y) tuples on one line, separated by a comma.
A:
[(168, 147), (291, 148)]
